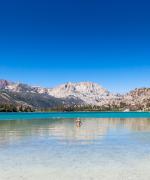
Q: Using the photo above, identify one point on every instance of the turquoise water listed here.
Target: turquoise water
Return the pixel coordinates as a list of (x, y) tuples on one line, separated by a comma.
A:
[(58, 149), (19, 116)]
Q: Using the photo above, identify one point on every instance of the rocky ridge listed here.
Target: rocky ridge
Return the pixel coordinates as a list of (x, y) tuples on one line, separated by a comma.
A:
[(73, 94)]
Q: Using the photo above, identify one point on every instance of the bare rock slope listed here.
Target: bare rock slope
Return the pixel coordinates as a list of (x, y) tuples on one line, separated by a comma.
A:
[(73, 94)]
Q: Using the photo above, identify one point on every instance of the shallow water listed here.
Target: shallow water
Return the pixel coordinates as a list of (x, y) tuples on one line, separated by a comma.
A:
[(57, 149)]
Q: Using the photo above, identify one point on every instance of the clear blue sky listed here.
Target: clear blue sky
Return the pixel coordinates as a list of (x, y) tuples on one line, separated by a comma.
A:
[(48, 42)]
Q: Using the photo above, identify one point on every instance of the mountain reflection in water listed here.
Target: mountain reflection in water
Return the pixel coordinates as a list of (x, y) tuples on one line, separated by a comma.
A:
[(67, 130)]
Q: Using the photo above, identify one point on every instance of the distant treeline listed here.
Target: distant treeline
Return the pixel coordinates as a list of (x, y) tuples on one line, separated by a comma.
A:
[(63, 108), (82, 108), (14, 108), (113, 107)]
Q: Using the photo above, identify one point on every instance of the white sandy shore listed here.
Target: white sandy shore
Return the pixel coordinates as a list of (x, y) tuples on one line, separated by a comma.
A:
[(136, 171)]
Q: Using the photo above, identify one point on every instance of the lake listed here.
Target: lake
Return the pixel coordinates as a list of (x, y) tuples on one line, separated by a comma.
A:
[(51, 146)]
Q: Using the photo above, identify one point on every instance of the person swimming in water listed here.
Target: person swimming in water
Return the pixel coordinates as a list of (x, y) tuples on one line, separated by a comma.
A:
[(78, 122)]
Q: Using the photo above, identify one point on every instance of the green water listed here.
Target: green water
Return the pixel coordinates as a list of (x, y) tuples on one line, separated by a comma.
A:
[(19, 116)]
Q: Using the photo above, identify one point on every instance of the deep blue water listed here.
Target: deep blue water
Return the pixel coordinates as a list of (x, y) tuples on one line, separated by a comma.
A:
[(39, 115)]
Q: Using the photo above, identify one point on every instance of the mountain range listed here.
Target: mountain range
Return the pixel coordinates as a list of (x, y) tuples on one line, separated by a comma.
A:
[(71, 96)]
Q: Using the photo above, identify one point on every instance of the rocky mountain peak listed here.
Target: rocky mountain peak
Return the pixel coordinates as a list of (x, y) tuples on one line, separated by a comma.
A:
[(77, 88), (88, 92), (4, 83)]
